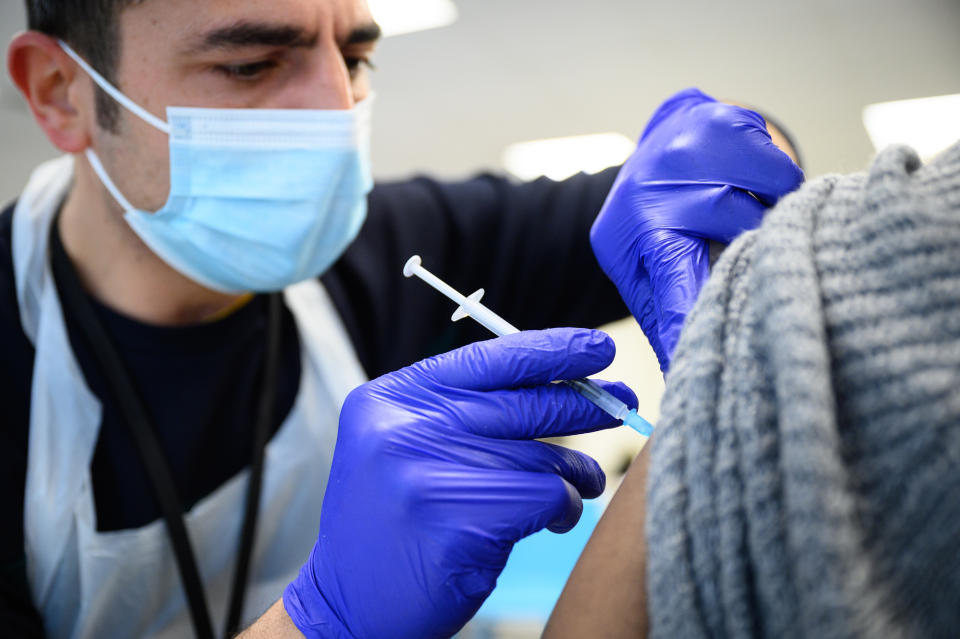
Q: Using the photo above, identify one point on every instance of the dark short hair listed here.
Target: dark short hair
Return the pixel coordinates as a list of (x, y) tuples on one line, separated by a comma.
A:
[(91, 28)]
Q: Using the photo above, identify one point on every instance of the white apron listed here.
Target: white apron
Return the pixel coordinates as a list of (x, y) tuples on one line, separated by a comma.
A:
[(126, 583)]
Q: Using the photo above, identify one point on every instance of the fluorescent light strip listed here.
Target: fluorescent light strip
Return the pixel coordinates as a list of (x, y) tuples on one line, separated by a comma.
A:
[(397, 17), (559, 158), (929, 125)]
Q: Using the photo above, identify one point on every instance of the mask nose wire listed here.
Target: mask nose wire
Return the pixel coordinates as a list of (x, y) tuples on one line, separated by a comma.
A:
[(115, 93)]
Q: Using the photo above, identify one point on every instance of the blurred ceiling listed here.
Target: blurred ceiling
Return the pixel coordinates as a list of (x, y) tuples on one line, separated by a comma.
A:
[(450, 100)]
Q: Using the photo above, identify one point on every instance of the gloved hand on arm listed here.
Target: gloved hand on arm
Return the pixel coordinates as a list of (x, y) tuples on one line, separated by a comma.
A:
[(702, 170), (436, 476)]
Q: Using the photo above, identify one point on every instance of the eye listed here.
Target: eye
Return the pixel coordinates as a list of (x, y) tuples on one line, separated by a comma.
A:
[(246, 71), (356, 64)]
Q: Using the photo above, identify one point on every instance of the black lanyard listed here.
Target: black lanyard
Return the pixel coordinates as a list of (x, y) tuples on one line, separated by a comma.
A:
[(143, 432)]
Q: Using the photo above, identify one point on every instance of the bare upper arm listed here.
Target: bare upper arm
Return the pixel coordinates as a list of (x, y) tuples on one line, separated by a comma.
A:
[(606, 594)]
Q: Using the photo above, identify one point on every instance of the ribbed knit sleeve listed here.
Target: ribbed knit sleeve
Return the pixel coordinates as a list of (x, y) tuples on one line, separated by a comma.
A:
[(805, 474)]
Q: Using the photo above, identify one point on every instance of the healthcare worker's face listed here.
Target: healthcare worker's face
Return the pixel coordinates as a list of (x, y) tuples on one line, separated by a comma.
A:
[(279, 54)]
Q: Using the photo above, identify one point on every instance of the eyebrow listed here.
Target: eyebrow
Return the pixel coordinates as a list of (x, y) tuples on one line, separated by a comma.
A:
[(250, 34), (365, 34)]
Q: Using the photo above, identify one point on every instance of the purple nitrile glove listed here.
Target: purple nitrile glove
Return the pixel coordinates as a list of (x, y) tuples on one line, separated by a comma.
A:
[(689, 180), (436, 476)]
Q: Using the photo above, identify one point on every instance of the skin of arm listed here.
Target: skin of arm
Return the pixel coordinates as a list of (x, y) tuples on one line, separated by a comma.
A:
[(275, 624), (606, 595)]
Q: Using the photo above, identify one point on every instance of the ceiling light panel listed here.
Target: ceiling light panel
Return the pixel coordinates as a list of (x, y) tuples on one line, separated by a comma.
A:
[(559, 158), (929, 125), (397, 17)]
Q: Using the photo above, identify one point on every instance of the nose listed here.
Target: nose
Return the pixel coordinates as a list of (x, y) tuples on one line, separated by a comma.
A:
[(327, 83)]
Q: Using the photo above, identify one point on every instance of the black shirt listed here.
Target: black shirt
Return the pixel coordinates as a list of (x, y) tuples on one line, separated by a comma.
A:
[(527, 244)]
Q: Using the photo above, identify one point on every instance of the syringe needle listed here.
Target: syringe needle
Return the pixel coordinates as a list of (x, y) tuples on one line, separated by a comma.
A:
[(471, 306), (611, 405)]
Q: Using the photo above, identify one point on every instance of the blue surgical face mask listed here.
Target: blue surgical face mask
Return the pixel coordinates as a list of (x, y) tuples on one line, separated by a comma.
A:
[(259, 198)]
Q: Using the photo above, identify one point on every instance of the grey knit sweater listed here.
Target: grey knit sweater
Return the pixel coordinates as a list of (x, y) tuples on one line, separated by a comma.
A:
[(805, 475)]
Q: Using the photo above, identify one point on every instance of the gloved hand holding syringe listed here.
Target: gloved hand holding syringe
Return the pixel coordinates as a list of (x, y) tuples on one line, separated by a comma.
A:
[(471, 307)]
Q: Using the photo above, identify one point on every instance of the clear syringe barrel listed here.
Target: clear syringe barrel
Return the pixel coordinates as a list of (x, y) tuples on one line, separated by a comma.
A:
[(593, 391), (500, 327)]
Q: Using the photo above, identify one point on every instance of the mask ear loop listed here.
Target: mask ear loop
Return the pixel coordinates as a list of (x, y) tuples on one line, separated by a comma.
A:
[(107, 182), (125, 102), (115, 93)]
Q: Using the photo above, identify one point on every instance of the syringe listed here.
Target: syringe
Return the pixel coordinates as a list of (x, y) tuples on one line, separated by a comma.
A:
[(471, 307)]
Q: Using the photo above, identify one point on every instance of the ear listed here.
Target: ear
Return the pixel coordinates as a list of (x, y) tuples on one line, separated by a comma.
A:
[(55, 88)]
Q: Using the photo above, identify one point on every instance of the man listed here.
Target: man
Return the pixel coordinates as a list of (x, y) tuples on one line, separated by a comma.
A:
[(145, 376)]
